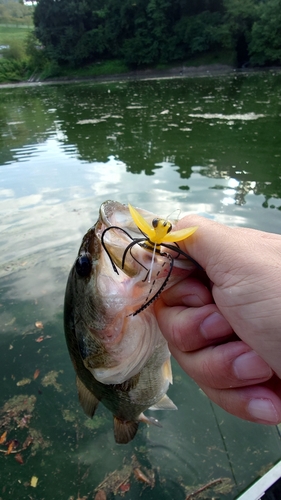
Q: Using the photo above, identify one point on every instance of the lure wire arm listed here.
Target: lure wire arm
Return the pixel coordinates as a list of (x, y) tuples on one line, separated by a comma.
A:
[(181, 252), (160, 290), (142, 265), (104, 245), (129, 247)]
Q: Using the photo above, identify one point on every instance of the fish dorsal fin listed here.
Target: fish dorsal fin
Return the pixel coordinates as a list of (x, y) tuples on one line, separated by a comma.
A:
[(164, 403), (88, 401), (124, 430)]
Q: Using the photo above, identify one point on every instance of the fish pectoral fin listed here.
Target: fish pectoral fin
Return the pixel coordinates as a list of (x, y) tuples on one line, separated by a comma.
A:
[(124, 430), (128, 385), (167, 371), (149, 420), (88, 401), (164, 403)]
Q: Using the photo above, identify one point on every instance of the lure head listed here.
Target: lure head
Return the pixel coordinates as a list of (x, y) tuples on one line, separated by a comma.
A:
[(161, 228)]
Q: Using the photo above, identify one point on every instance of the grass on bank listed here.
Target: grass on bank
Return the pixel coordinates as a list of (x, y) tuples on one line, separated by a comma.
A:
[(8, 33), (110, 67)]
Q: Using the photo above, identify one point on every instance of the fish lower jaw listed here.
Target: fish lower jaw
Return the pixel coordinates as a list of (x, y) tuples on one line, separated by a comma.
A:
[(125, 364), (123, 371)]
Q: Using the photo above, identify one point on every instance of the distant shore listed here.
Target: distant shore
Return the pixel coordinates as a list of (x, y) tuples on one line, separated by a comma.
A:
[(146, 74)]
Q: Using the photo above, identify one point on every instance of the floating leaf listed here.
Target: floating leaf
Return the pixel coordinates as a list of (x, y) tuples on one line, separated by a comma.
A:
[(140, 476), (10, 323), (100, 495), (3, 437), (10, 448), (34, 481), (19, 458), (24, 381), (124, 487)]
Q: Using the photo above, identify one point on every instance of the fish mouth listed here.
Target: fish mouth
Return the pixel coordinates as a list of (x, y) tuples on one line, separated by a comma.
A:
[(117, 232), (131, 255)]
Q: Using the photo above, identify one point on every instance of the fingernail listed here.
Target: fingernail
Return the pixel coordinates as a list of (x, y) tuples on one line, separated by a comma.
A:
[(215, 326), (263, 409), (250, 366)]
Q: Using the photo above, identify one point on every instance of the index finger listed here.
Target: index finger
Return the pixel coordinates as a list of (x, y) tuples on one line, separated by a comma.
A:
[(189, 292)]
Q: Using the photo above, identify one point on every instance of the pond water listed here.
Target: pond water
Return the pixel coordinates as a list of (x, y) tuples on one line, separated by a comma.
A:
[(203, 145)]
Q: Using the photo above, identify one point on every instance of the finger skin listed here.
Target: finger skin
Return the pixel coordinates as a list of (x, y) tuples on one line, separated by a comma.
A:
[(259, 404), (188, 292), (245, 399), (222, 366), (183, 327), (245, 268)]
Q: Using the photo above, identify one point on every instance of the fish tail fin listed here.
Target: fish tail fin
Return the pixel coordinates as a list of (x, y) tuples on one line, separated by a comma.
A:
[(87, 400), (124, 430)]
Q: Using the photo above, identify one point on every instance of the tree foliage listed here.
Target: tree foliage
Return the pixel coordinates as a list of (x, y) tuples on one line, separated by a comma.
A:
[(148, 32), (14, 12), (265, 42)]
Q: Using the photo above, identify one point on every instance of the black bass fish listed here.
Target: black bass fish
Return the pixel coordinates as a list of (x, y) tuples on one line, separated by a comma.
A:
[(115, 344)]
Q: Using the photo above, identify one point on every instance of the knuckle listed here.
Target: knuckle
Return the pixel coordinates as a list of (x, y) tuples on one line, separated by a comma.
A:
[(208, 373)]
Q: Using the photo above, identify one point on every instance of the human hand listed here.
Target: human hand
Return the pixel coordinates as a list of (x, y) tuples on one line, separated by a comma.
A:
[(227, 336)]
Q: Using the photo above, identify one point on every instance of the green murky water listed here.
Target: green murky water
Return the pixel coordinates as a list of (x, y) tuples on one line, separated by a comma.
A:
[(205, 145)]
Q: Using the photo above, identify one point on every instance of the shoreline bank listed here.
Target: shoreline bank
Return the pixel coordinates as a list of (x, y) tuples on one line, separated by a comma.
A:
[(147, 74)]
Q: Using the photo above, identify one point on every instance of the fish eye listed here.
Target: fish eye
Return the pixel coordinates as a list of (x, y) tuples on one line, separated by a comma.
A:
[(155, 223), (83, 265)]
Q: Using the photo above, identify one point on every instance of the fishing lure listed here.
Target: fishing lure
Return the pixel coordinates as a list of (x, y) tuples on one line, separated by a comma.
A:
[(158, 234)]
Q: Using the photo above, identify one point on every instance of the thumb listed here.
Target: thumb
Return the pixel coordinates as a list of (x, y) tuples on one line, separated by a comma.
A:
[(224, 251)]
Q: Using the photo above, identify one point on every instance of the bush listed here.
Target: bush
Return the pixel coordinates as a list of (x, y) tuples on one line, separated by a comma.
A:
[(35, 53), (15, 50), (51, 69), (12, 70)]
